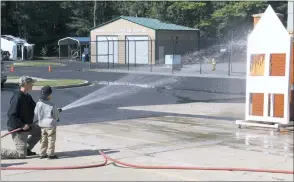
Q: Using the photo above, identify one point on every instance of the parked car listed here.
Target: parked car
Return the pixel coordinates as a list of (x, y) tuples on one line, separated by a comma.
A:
[(5, 55), (3, 75)]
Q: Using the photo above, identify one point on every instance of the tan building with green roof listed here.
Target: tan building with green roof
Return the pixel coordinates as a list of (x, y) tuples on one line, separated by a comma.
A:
[(137, 40)]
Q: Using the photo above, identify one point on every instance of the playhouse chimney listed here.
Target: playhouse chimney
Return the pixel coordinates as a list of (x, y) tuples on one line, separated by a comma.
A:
[(256, 17)]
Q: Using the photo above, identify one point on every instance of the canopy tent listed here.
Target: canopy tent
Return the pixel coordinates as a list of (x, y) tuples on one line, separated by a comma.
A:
[(74, 40), (18, 48), (79, 41)]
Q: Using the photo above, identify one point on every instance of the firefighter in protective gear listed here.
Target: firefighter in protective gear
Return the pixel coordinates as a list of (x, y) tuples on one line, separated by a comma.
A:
[(213, 63)]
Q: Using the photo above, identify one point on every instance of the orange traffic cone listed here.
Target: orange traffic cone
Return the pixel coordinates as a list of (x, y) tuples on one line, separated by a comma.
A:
[(49, 69), (12, 68)]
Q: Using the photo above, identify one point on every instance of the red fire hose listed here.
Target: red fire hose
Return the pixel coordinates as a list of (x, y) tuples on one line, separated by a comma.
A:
[(55, 168), (8, 133), (144, 166), (195, 168)]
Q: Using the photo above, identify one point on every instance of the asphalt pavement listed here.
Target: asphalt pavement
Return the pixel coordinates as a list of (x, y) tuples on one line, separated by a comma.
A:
[(185, 90), (173, 123), (74, 70)]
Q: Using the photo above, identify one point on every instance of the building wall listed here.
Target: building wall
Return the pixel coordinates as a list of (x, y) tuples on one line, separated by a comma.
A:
[(187, 42), (278, 69), (121, 28), (292, 80)]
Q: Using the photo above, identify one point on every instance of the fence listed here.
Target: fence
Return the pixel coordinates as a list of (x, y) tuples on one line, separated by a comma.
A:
[(174, 56)]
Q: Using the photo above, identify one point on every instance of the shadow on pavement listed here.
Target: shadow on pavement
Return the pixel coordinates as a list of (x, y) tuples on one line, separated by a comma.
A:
[(83, 153), (116, 165), (185, 100), (12, 164), (126, 114), (113, 115)]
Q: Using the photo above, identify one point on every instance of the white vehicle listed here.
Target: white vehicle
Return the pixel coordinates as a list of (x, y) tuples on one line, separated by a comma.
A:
[(5, 55)]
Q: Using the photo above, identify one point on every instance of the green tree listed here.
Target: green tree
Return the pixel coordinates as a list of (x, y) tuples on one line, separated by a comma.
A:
[(236, 16), (45, 22)]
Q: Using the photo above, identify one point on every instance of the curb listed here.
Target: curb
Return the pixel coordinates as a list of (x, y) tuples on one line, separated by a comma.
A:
[(86, 83), (10, 86), (44, 66), (166, 74), (25, 66)]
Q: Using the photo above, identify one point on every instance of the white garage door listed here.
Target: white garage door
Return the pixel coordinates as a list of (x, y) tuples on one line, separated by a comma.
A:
[(107, 49), (137, 49)]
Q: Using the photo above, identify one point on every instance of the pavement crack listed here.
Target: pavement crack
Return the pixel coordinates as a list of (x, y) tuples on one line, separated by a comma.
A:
[(280, 179), (149, 155)]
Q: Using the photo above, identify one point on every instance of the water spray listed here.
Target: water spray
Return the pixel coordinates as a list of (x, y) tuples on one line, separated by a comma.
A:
[(128, 85)]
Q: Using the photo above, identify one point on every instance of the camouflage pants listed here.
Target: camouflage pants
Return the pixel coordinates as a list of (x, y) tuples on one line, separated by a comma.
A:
[(22, 143)]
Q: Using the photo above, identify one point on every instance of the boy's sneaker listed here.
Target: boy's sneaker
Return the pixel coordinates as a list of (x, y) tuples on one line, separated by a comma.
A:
[(43, 156), (52, 157), (30, 153)]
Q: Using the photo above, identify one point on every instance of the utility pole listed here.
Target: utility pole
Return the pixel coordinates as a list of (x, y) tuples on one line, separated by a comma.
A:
[(230, 49), (94, 18)]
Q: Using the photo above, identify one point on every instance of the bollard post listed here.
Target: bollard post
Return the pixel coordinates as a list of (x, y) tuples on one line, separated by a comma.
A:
[(151, 55), (173, 55), (229, 65), (135, 52), (200, 67), (107, 52), (112, 53), (128, 55)]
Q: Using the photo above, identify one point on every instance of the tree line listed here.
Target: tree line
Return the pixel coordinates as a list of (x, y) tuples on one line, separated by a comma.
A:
[(45, 22)]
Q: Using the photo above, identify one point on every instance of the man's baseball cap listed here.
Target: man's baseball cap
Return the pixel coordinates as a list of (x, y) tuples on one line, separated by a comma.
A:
[(25, 80)]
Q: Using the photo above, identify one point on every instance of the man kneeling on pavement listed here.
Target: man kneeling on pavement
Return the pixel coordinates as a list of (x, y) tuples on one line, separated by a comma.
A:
[(21, 115)]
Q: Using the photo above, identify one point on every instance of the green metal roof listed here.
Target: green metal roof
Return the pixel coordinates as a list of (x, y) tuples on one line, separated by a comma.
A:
[(154, 24)]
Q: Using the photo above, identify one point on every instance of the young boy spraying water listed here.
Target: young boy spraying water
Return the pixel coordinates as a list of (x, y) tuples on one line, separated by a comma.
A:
[(48, 116)]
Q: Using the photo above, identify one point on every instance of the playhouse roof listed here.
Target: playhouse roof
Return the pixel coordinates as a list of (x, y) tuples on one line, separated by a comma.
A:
[(269, 34)]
